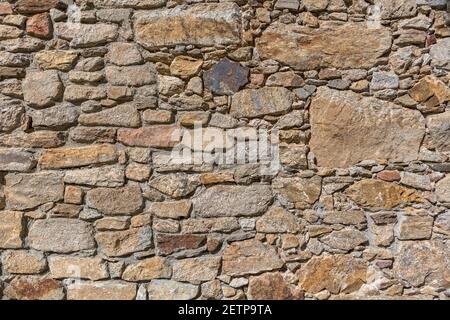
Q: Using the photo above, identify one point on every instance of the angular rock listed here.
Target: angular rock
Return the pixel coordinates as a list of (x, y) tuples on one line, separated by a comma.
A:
[(233, 201), (337, 273), (176, 185), (253, 103), (102, 290), (171, 290), (414, 227), (350, 217), (124, 54), (27, 191), (40, 25), (428, 88), (277, 220), (11, 114), (438, 133), (86, 35), (371, 128), (131, 76), (35, 6), (196, 270), (125, 115), (226, 77), (23, 262), (34, 288), (9, 32), (118, 201), (14, 159), (345, 239), (209, 24), (42, 88), (171, 209), (148, 269), (93, 134), (395, 9), (122, 243), (380, 194), (384, 80), (440, 55), (77, 267), (57, 117), (56, 59), (270, 286), (249, 257), (61, 235), (108, 176), (63, 158), (315, 48), (443, 190), (164, 136), (170, 243), (419, 262), (302, 192), (185, 66), (416, 181), (206, 225), (11, 229)]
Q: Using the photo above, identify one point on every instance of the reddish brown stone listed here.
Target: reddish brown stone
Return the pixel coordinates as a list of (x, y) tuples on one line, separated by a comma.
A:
[(169, 243), (34, 288), (40, 25), (37, 6), (5, 8), (155, 136), (271, 286), (389, 175)]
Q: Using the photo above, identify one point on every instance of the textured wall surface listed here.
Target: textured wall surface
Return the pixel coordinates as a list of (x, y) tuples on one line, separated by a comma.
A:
[(98, 97)]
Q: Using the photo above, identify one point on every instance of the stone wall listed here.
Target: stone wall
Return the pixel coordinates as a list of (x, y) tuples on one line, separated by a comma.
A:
[(95, 95)]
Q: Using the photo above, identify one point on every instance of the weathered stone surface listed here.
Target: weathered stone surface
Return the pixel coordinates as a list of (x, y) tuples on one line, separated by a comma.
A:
[(125, 115), (15, 159), (56, 59), (122, 243), (345, 239), (196, 270), (34, 288), (103, 290), (148, 269), (79, 93), (171, 290), (35, 6), (108, 176), (77, 267), (233, 201), (9, 32), (209, 24), (226, 77), (176, 185), (414, 227), (131, 76), (168, 243), (443, 190), (40, 25), (185, 66), (124, 54), (394, 9), (270, 286), (11, 114), (438, 133), (78, 157), (171, 209), (126, 200), (302, 192), (206, 225), (249, 257), (380, 194), (440, 55), (350, 217), (428, 88), (253, 103), (23, 262), (11, 229), (277, 220), (421, 262), (57, 117), (86, 35), (138, 4), (359, 47), (27, 191), (338, 273), (371, 128), (164, 136), (93, 134)]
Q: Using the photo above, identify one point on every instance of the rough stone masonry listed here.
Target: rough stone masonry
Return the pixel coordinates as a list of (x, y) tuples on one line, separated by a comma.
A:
[(93, 92)]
